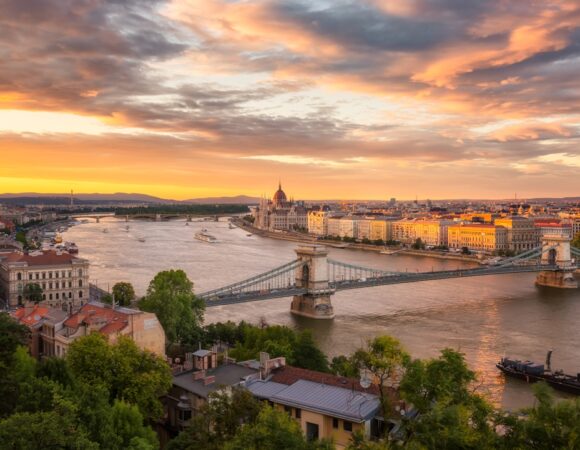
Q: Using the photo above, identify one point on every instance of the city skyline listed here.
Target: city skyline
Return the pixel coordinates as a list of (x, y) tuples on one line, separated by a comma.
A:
[(343, 99)]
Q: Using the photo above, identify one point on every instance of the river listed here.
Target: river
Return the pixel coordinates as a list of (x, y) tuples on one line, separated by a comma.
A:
[(486, 317)]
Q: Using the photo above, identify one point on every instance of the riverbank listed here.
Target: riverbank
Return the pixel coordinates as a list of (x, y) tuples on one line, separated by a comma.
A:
[(305, 239)]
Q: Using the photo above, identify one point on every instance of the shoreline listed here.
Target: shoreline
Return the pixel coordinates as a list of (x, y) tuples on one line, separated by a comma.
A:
[(350, 246)]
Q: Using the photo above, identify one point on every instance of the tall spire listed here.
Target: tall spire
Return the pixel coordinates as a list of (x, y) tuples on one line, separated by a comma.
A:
[(279, 184)]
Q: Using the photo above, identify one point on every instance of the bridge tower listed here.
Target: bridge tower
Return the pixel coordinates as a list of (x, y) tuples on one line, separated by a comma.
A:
[(560, 256), (312, 275)]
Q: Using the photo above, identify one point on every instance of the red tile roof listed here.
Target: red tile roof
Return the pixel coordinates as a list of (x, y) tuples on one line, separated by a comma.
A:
[(46, 258), (289, 375), (30, 317), (91, 314)]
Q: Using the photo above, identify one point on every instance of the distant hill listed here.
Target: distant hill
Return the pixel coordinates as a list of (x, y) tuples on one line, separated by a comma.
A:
[(238, 200), (34, 198)]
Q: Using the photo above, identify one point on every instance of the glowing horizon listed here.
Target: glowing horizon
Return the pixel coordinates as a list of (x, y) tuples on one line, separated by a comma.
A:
[(363, 99)]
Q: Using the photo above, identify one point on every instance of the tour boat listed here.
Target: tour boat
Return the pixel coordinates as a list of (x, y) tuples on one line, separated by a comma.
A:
[(205, 237), (532, 372)]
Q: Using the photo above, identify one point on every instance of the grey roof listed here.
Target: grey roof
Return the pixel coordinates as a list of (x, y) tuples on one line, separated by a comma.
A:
[(265, 389), (330, 400), (225, 375), (201, 353)]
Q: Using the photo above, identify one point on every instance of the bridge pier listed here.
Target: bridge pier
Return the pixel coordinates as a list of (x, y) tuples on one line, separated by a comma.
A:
[(313, 276), (560, 256), (157, 217), (98, 219)]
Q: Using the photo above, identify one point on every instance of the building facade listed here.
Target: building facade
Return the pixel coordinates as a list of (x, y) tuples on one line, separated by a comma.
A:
[(280, 214), (522, 235), (318, 223), (431, 232), (477, 236), (64, 278)]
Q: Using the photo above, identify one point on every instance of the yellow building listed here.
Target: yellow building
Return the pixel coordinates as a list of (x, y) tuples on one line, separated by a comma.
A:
[(318, 223), (326, 406), (522, 235), (431, 232), (477, 236), (478, 217)]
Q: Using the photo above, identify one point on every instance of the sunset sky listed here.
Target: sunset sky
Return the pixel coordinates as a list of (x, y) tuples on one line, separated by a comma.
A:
[(363, 99)]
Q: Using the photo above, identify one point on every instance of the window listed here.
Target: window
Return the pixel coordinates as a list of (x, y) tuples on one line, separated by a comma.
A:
[(56, 274), (70, 284), (56, 295), (50, 285), (49, 274), (19, 276), (80, 294), (70, 295), (80, 283), (30, 276), (63, 273), (298, 413), (37, 276), (50, 296), (346, 425), (335, 423), (288, 410), (44, 275), (311, 431), (80, 272)]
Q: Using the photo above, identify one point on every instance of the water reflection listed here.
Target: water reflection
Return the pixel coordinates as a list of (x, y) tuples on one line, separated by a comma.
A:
[(485, 317)]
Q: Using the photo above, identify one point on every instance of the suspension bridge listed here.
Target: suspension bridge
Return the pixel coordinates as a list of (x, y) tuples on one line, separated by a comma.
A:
[(313, 278)]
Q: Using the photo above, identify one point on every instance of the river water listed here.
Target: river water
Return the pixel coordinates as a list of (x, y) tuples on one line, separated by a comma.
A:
[(485, 318)]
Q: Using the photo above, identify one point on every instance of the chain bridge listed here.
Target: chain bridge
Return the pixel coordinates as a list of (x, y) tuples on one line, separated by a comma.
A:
[(313, 278)]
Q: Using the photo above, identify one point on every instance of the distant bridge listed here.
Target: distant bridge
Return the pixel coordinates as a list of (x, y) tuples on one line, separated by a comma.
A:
[(150, 216), (313, 278)]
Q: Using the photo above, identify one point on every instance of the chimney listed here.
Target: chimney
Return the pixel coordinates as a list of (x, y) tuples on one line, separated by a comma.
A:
[(209, 380), (198, 375)]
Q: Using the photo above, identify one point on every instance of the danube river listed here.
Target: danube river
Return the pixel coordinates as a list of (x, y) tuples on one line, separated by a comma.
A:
[(485, 318)]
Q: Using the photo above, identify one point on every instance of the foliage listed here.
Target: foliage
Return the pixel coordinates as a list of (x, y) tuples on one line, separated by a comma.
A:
[(170, 296), (12, 335), (358, 442), (273, 430), (418, 245), (344, 366), (21, 237), (33, 292), (451, 415), (547, 425), (218, 421), (125, 371), (123, 293), (59, 428), (55, 369), (307, 355), (298, 348), (107, 298), (383, 357)]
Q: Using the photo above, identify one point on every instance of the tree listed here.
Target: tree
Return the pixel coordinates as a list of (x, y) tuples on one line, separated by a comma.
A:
[(136, 376), (547, 425), (129, 429), (307, 355), (12, 335), (418, 245), (218, 421), (344, 366), (170, 296), (451, 415), (273, 430), (384, 357), (59, 428), (123, 293), (33, 292)]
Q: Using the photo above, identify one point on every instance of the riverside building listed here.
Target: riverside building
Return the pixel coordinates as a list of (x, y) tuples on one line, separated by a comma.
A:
[(64, 278), (280, 214), (478, 236), (431, 232), (522, 235)]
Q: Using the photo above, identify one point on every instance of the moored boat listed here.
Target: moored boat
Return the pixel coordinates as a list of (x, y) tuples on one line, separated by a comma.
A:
[(532, 372), (205, 237)]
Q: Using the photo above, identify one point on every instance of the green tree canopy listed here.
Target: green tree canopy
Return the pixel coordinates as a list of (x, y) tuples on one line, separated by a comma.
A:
[(218, 421), (273, 430), (123, 293), (127, 372), (33, 292), (170, 296), (384, 357), (576, 241), (307, 355)]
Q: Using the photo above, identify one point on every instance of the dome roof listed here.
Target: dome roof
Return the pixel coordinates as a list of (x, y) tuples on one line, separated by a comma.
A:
[(279, 196)]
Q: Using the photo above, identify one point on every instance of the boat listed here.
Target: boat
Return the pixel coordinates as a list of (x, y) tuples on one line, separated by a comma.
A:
[(532, 372), (249, 234), (205, 237), (141, 239), (71, 247), (58, 239), (390, 252)]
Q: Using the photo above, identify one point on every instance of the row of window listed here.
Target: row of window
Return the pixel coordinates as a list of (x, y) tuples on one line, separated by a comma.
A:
[(56, 296), (47, 275)]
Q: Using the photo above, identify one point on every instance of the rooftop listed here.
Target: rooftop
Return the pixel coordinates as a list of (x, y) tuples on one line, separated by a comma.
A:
[(225, 375), (344, 403), (112, 320), (41, 258)]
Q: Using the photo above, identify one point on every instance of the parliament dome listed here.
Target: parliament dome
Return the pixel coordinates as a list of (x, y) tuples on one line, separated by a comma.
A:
[(279, 196)]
